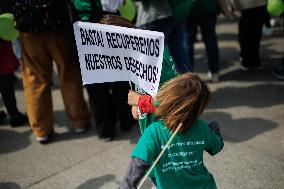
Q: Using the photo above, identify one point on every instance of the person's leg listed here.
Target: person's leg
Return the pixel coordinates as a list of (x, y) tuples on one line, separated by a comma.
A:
[(8, 94), (7, 90), (61, 47), (250, 31), (179, 47), (191, 38), (105, 116), (123, 110), (207, 25), (2, 116), (243, 36), (37, 69), (89, 88)]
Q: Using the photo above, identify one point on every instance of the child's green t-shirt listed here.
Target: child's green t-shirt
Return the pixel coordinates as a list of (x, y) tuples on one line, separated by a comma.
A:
[(181, 166)]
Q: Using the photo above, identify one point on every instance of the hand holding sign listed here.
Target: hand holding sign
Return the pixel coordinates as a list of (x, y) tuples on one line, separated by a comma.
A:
[(133, 98), (112, 53)]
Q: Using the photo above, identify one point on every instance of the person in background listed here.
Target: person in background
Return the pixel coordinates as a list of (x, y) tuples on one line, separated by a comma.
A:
[(8, 64), (46, 35), (253, 17), (156, 15), (168, 72), (108, 101), (180, 101), (204, 15)]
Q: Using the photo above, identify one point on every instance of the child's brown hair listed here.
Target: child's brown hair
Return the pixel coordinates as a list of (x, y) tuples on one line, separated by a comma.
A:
[(111, 19), (182, 100)]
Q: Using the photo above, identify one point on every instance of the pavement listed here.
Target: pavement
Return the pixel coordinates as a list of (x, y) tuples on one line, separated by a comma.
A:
[(248, 105)]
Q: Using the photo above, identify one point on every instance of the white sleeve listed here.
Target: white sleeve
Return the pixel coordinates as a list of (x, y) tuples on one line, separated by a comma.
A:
[(111, 5)]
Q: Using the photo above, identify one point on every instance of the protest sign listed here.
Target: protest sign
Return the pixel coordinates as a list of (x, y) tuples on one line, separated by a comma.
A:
[(110, 53)]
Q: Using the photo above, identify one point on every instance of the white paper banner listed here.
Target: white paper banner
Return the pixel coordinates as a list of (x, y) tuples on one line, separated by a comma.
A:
[(111, 53)]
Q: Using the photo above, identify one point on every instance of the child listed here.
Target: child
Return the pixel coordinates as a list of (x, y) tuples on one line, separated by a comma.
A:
[(181, 100)]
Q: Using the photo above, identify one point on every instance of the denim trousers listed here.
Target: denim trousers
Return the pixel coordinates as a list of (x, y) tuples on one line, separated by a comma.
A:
[(175, 39), (179, 46)]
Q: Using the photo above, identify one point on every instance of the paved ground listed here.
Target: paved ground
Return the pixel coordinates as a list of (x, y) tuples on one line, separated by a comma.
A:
[(249, 107)]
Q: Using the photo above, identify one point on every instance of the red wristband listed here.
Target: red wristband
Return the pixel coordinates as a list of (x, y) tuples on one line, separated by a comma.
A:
[(145, 104)]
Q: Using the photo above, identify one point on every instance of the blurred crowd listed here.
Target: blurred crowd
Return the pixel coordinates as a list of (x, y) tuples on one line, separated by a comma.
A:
[(46, 39)]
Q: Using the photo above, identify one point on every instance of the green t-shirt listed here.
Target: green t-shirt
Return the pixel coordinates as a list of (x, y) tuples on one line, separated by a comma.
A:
[(86, 9), (181, 166), (168, 72)]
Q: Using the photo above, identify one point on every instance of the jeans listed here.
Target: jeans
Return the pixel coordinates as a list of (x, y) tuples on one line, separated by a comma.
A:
[(164, 25), (207, 25), (179, 47), (175, 38)]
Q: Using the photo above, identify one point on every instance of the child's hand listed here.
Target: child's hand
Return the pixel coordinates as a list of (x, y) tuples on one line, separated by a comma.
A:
[(134, 112), (133, 98)]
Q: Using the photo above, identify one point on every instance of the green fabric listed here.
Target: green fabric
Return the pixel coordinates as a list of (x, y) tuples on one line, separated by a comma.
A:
[(168, 72), (181, 8), (168, 68), (86, 6), (202, 7), (181, 166)]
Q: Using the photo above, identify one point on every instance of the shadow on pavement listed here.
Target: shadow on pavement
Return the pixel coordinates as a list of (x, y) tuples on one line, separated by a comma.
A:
[(257, 96), (228, 56), (59, 137), (234, 37), (9, 185), (253, 76), (97, 182), (239, 130), (133, 135), (61, 120), (11, 141)]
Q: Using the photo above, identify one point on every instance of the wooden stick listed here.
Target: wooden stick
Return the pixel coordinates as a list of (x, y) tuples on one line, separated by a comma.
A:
[(158, 158)]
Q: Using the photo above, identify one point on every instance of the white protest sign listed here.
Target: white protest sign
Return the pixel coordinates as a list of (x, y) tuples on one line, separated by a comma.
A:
[(111, 53)]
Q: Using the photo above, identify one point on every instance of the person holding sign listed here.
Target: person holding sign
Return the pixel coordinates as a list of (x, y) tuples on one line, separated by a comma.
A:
[(108, 99), (181, 101), (130, 58)]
